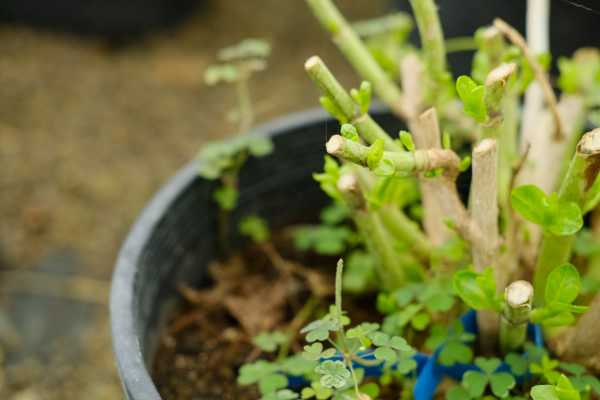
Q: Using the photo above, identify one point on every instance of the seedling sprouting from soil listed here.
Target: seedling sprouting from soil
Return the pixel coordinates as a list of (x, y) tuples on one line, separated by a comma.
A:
[(223, 160)]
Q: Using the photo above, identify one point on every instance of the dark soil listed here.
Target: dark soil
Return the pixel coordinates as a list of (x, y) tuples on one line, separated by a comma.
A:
[(207, 341)]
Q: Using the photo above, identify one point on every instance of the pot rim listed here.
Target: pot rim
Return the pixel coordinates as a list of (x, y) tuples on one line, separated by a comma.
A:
[(135, 377)]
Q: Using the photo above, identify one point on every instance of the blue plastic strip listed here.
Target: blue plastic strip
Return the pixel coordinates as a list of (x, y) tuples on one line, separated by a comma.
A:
[(433, 372)]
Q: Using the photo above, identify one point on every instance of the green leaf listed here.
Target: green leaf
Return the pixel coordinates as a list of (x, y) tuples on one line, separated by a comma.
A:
[(375, 154), (269, 341), (562, 285), (247, 48), (385, 354), (557, 217), (252, 373), (272, 383), (517, 363), (565, 390), (284, 394), (531, 202), (323, 239), (455, 352), (362, 330), (407, 141), (334, 374), (380, 338), (406, 365), (313, 351), (299, 365), (420, 321), (472, 95), (255, 228), (475, 383), (487, 365), (544, 392), (226, 197), (457, 393), (260, 146), (349, 132), (478, 291), (331, 107), (319, 330), (501, 383)]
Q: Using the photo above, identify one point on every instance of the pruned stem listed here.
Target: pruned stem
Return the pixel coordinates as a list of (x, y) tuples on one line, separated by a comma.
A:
[(330, 86), (518, 298), (495, 92), (583, 171), (356, 52), (402, 161), (484, 204), (515, 37), (484, 214), (432, 40)]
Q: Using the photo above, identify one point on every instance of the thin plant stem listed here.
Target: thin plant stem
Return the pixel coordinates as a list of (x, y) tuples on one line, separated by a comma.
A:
[(515, 37), (357, 53), (432, 40)]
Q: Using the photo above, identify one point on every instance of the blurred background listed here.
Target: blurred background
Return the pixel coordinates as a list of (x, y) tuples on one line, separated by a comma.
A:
[(99, 105), (101, 101)]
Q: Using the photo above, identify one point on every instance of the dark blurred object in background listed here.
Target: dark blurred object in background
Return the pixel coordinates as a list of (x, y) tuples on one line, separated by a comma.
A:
[(574, 23), (113, 19)]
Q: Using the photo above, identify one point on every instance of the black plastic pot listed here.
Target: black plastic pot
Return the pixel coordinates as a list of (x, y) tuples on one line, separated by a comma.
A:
[(174, 239), (573, 23), (112, 18)]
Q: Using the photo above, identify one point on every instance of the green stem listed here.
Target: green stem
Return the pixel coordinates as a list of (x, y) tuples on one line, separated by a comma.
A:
[(355, 51), (432, 40), (406, 231), (515, 315), (330, 86), (402, 161), (244, 105), (391, 262), (580, 177)]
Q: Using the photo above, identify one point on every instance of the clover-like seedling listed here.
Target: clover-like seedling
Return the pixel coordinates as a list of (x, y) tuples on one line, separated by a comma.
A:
[(562, 390), (562, 288), (270, 341), (334, 374), (454, 343), (323, 239), (474, 383), (580, 378), (263, 373), (557, 217)]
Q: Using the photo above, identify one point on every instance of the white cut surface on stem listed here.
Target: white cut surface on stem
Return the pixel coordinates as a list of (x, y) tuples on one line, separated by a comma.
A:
[(519, 293)]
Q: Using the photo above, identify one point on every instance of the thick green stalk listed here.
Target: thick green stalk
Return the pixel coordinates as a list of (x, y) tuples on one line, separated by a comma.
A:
[(330, 86), (391, 262), (406, 230), (432, 40), (399, 226), (518, 297), (401, 161), (356, 52), (580, 177)]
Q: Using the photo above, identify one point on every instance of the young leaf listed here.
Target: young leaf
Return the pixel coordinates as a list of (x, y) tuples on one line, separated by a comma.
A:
[(472, 95), (563, 285), (255, 228), (334, 374), (406, 139), (478, 291), (269, 341), (349, 132), (226, 197), (501, 383), (375, 154), (475, 383)]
